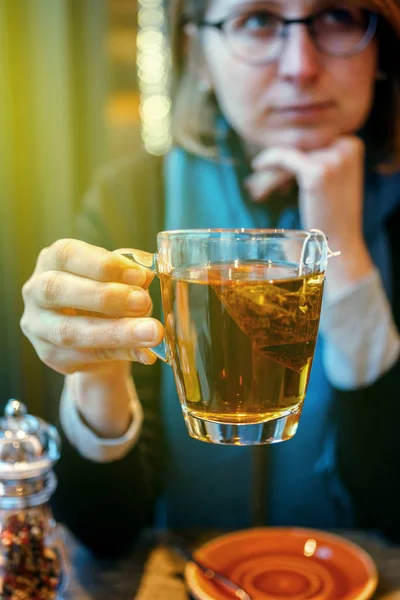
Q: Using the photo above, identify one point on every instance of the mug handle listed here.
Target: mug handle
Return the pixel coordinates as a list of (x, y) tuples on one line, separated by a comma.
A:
[(149, 261)]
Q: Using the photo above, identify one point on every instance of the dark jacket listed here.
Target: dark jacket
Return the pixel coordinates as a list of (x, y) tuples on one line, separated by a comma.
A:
[(106, 505)]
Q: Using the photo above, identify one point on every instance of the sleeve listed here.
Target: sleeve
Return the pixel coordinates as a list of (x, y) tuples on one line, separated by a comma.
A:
[(106, 505), (353, 356), (86, 441)]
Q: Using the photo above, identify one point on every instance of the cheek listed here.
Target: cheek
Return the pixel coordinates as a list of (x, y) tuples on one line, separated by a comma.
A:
[(238, 98), (356, 89), (242, 96), (240, 88)]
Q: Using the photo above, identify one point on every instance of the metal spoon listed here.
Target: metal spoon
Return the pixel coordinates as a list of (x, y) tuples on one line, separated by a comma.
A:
[(209, 573)]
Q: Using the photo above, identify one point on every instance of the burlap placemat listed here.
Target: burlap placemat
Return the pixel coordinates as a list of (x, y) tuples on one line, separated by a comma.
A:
[(163, 577)]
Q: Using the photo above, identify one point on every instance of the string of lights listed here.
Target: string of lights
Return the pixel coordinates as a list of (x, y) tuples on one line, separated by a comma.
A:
[(153, 62)]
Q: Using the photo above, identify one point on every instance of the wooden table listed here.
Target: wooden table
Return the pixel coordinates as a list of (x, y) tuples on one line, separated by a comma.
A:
[(93, 579)]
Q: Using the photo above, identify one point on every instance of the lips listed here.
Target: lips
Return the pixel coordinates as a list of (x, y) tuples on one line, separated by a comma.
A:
[(304, 107), (302, 114)]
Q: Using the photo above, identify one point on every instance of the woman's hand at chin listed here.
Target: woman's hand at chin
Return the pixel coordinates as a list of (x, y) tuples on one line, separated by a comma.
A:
[(331, 193)]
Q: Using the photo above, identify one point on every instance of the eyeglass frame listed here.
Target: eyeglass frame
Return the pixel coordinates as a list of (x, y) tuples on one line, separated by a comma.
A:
[(308, 22)]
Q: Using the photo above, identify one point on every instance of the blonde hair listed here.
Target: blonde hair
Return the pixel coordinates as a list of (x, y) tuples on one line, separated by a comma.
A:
[(195, 109)]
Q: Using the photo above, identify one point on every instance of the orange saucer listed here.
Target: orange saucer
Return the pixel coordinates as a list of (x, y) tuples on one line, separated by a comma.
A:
[(285, 563)]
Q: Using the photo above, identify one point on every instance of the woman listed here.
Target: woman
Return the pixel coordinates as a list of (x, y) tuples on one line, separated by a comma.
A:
[(266, 94)]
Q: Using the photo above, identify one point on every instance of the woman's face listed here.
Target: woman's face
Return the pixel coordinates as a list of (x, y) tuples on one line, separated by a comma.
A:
[(303, 98)]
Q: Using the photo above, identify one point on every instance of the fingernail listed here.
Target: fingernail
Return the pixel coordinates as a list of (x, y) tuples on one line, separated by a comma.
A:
[(139, 301), (134, 276), (146, 330), (145, 357)]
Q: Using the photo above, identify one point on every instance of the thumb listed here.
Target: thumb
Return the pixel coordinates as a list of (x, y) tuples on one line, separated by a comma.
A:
[(141, 258)]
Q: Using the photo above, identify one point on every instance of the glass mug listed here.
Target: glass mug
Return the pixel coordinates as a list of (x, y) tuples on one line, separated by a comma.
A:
[(241, 312)]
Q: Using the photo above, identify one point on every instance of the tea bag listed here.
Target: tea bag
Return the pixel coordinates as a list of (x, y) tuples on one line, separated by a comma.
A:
[(282, 322)]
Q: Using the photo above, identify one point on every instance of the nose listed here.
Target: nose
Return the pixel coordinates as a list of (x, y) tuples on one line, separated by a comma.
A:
[(300, 60)]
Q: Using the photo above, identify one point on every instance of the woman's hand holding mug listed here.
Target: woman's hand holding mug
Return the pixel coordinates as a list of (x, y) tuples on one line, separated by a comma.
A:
[(85, 306), (87, 316)]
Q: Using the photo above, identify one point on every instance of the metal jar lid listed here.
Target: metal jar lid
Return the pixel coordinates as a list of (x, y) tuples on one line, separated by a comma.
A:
[(28, 445)]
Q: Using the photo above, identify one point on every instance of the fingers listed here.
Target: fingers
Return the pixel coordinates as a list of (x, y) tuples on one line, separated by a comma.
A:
[(85, 260), (72, 301), (307, 171), (57, 289), (310, 169), (77, 332), (261, 183), (285, 159), (67, 361)]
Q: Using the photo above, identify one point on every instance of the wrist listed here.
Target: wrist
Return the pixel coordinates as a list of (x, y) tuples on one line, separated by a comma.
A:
[(103, 397)]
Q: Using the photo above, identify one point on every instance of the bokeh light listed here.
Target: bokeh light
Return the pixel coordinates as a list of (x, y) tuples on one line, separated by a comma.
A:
[(153, 62)]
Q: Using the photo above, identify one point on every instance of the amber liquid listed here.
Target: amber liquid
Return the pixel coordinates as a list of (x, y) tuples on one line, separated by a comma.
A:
[(241, 338)]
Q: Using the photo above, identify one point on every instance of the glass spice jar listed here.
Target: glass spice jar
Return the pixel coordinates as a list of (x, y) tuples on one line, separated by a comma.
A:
[(33, 562)]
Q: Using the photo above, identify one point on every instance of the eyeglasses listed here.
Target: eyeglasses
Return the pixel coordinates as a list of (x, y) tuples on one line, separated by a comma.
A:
[(258, 36)]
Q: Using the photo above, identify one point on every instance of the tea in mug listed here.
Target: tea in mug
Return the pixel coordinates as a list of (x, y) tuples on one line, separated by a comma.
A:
[(241, 338)]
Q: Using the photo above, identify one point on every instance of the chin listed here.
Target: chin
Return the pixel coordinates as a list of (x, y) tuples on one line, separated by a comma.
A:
[(305, 140)]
